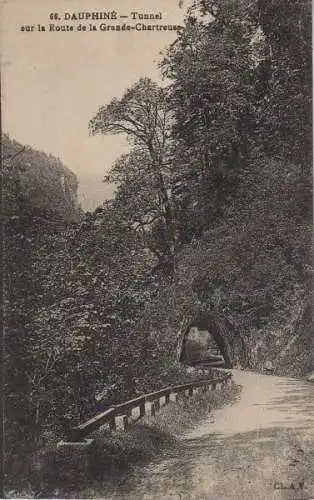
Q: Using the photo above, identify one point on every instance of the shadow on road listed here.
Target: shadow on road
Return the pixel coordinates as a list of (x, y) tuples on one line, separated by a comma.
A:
[(244, 466)]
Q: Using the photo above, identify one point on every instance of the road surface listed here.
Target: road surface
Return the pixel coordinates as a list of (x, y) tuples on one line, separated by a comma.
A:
[(259, 448)]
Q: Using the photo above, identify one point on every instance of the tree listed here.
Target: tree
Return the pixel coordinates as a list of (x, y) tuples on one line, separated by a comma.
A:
[(143, 115), (212, 98), (286, 109)]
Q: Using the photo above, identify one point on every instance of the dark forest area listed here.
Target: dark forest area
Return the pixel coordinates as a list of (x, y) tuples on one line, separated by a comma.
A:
[(212, 214)]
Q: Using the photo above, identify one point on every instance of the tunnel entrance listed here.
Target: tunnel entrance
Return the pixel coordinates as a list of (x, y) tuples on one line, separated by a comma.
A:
[(201, 347), (208, 339)]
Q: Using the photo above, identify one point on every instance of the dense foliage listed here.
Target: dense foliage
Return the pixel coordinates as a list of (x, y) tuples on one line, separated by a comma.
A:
[(39, 200), (212, 213)]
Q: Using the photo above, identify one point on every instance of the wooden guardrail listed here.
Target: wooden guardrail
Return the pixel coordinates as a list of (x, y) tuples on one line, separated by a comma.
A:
[(118, 416)]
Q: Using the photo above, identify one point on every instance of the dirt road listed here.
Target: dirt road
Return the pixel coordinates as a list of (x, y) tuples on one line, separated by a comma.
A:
[(260, 448)]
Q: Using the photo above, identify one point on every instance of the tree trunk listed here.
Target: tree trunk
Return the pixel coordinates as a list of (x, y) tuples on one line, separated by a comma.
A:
[(167, 211)]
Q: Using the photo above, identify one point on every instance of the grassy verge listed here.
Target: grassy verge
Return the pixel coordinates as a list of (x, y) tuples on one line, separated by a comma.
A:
[(30, 467), (118, 455)]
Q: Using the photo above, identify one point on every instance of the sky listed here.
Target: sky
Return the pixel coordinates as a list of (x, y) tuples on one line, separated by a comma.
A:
[(54, 82)]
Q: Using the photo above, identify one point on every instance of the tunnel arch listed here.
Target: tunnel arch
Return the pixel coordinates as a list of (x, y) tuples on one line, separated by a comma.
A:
[(219, 328)]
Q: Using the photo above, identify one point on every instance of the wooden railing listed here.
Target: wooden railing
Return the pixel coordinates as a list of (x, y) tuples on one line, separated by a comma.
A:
[(118, 416)]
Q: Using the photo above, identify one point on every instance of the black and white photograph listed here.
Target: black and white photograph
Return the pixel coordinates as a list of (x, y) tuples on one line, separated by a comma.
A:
[(157, 336)]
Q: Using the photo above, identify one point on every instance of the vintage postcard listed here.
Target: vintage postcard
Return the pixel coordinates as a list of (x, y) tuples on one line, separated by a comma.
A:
[(157, 261)]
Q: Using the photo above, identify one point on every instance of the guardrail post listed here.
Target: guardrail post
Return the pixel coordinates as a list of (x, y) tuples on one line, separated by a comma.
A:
[(135, 412), (167, 397), (157, 404), (174, 396), (112, 424), (122, 422), (142, 409), (150, 409)]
